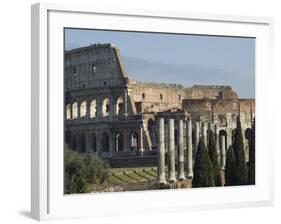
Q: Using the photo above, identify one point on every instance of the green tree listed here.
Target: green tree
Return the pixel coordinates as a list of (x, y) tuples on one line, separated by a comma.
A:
[(82, 171), (252, 159), (203, 169), (238, 148), (230, 168), (214, 157)]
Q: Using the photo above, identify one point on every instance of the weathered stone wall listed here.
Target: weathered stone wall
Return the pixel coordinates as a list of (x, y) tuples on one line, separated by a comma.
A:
[(210, 92)]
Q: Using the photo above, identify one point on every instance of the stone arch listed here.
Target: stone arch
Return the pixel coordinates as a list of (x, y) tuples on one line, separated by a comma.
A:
[(83, 109), (223, 133), (134, 137), (82, 143), (105, 142), (248, 134), (93, 142), (75, 110), (119, 106), (152, 132), (74, 142), (105, 107), (233, 134), (68, 137), (118, 142), (93, 108), (222, 121), (68, 111)]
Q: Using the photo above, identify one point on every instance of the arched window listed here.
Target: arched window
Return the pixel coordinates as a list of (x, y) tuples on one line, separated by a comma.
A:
[(74, 110), (119, 108), (105, 142), (68, 112), (118, 142), (82, 143), (83, 109), (134, 141), (105, 107), (93, 109)]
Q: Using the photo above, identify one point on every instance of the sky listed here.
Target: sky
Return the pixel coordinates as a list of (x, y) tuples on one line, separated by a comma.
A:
[(183, 59)]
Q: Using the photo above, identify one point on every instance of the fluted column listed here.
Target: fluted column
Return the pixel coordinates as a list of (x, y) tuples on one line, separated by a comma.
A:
[(161, 152), (189, 149), (181, 152), (171, 150), (223, 155)]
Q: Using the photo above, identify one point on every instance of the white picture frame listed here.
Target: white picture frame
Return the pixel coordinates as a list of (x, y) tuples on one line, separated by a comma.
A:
[(48, 201)]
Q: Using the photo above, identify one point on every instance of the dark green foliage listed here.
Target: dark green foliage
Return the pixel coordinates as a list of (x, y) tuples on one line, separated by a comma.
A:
[(214, 158), (230, 169), (82, 171), (252, 159), (238, 148), (203, 169)]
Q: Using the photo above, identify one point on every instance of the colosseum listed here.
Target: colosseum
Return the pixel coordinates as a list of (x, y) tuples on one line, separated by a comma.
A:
[(108, 113)]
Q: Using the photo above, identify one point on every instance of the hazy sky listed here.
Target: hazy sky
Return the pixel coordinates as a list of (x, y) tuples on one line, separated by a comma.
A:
[(183, 59)]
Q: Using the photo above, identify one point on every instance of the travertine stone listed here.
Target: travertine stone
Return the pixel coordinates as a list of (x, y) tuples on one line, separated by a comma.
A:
[(161, 152)]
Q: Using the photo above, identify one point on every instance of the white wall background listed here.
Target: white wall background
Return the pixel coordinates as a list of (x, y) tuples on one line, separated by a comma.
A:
[(15, 110)]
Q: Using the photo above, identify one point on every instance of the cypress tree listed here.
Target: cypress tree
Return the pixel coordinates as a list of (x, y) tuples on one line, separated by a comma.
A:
[(203, 169), (252, 159), (230, 168), (214, 157), (238, 148)]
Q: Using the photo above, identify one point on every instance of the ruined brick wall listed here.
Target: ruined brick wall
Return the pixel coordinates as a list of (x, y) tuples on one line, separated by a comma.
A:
[(210, 92)]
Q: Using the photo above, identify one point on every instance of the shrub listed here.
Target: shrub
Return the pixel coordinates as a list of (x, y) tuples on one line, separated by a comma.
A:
[(82, 171)]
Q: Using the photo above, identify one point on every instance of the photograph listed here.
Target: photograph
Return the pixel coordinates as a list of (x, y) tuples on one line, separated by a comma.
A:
[(154, 111)]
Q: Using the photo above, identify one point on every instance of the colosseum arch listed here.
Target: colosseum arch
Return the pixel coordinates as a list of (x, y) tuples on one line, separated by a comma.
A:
[(105, 107), (93, 108), (68, 111), (134, 141), (74, 142), (68, 138), (105, 142), (248, 134), (223, 133), (83, 109), (82, 143), (119, 106), (93, 140), (74, 110), (152, 132), (118, 140)]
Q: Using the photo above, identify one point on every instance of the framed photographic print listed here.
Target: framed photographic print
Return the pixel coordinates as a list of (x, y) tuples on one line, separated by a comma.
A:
[(149, 110)]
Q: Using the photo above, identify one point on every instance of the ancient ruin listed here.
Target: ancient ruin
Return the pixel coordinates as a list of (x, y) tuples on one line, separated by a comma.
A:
[(129, 122)]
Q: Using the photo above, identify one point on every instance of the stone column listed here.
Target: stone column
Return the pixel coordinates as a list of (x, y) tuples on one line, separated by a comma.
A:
[(125, 102), (189, 149), (229, 138), (197, 130), (204, 133), (161, 152), (171, 150), (111, 107), (181, 152), (223, 156), (78, 108), (141, 141), (217, 135)]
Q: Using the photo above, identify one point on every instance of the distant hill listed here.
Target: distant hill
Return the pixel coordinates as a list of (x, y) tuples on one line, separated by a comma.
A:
[(187, 75)]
